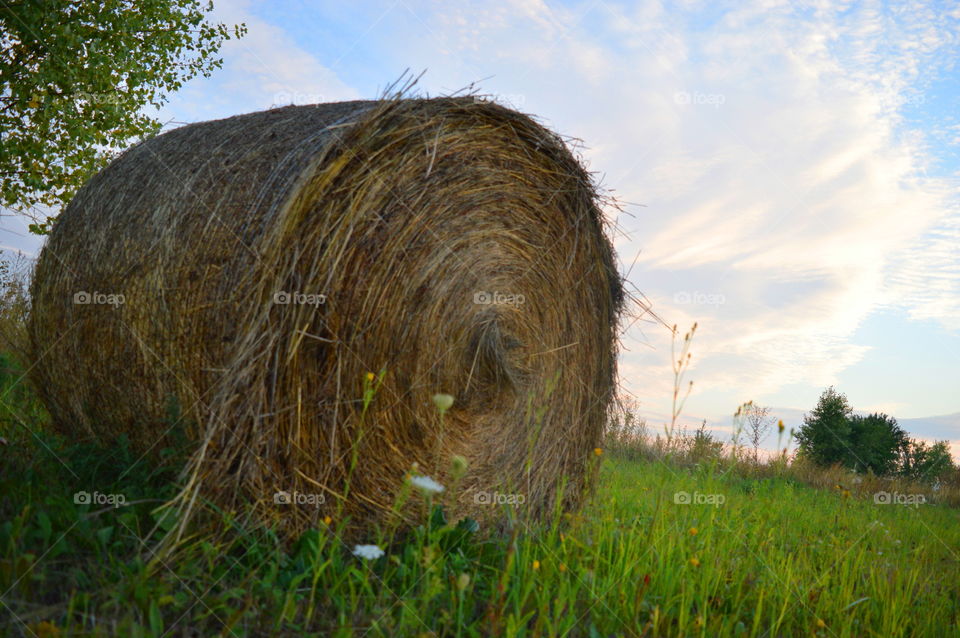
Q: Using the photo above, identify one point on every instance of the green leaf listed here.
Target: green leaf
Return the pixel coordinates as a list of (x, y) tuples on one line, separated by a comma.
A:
[(104, 534), (456, 538), (46, 527), (855, 603), (468, 525), (438, 519), (78, 74), (165, 519), (156, 620)]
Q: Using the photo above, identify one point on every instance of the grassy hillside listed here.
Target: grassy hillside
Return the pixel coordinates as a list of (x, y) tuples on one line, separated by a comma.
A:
[(662, 549)]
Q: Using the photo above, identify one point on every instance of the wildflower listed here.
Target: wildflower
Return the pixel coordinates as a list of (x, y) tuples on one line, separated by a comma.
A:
[(45, 629), (780, 425), (368, 552), (562, 567), (598, 451), (695, 561), (463, 581), (693, 531), (459, 465), (820, 623), (371, 376), (443, 402), (426, 484), (536, 565), (327, 520)]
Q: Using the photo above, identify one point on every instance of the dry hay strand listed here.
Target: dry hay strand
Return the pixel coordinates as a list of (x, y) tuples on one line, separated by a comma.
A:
[(458, 247)]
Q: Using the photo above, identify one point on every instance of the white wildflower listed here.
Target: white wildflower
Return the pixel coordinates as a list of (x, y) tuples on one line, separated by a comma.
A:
[(369, 552), (426, 484)]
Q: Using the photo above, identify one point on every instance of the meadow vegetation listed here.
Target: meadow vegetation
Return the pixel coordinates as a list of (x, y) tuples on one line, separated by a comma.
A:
[(685, 535)]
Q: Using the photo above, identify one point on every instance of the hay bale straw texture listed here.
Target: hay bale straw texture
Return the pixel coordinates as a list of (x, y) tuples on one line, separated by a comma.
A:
[(243, 276)]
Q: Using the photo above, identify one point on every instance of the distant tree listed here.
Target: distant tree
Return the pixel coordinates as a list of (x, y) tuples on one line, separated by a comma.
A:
[(876, 442), (703, 445), (14, 305), (825, 435), (74, 79), (757, 421), (926, 463), (832, 434)]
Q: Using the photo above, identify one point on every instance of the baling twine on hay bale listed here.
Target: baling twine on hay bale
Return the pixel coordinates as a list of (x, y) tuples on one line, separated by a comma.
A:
[(252, 271)]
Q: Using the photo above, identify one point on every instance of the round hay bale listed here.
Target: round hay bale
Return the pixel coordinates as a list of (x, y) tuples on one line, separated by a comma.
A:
[(247, 274)]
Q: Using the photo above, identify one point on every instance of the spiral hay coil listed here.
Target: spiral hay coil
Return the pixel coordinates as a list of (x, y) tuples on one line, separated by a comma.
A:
[(253, 271)]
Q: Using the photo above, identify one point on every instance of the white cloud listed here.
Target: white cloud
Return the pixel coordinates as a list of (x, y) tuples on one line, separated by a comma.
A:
[(926, 276), (769, 148), (265, 68), (770, 152)]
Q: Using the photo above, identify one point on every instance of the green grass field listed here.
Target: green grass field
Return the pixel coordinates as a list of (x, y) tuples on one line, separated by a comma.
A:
[(663, 548)]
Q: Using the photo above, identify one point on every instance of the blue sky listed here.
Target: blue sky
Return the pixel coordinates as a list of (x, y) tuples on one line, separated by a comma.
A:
[(791, 169)]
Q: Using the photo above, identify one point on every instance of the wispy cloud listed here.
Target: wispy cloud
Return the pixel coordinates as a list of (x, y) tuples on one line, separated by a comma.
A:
[(781, 184), (785, 194), (788, 193), (264, 69)]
